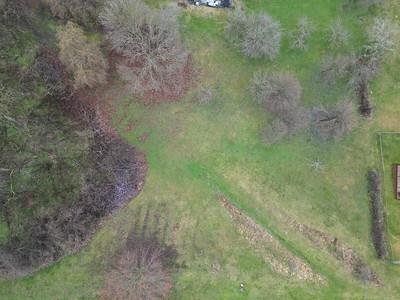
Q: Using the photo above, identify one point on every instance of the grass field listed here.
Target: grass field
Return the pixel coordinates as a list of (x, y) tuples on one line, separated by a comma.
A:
[(390, 144), (197, 152)]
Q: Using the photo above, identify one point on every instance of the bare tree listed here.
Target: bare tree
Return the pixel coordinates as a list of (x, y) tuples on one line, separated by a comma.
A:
[(148, 40), (137, 275), (301, 34), (338, 35), (279, 92), (381, 37), (81, 57), (142, 269), (332, 123), (334, 68), (256, 35)]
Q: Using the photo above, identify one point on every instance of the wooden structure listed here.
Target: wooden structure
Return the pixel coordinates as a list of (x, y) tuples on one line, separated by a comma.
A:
[(396, 179)]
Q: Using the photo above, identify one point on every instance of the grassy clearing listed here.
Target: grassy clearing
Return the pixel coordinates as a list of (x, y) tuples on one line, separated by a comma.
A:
[(390, 144), (197, 151)]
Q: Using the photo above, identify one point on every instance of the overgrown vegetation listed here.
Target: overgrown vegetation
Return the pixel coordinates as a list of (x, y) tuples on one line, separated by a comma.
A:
[(62, 172), (83, 12), (195, 151), (149, 42), (83, 58)]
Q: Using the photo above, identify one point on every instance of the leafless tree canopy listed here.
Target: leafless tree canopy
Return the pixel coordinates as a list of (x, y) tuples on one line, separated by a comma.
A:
[(149, 40), (81, 57), (334, 68), (142, 269), (279, 92), (256, 35), (338, 35), (301, 34), (381, 37), (138, 275), (332, 123)]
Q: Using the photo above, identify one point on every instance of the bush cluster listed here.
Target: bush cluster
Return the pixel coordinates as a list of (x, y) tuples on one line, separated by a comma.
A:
[(62, 172), (82, 12), (256, 35), (332, 123), (378, 224), (82, 57), (149, 42)]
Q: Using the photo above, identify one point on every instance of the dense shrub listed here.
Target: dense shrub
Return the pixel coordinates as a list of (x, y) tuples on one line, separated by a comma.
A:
[(148, 40), (59, 175), (40, 156), (256, 35), (83, 12), (332, 123), (378, 230), (83, 58), (301, 34), (51, 71), (108, 183)]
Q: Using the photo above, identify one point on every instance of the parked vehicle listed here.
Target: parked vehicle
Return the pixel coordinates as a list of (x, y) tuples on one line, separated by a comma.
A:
[(212, 3)]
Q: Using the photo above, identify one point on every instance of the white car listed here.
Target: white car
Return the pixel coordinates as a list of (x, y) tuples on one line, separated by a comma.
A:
[(214, 3), (211, 3)]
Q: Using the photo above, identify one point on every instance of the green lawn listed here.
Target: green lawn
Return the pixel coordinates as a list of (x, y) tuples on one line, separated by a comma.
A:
[(390, 145), (196, 152)]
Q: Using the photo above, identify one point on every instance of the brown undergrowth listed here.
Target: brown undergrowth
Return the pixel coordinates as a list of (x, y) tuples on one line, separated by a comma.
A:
[(344, 254), (273, 252)]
